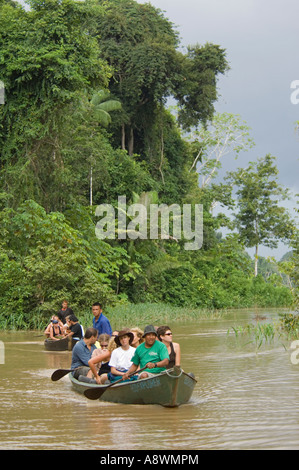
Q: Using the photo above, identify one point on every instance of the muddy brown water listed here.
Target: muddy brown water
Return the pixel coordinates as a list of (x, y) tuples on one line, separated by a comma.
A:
[(244, 399)]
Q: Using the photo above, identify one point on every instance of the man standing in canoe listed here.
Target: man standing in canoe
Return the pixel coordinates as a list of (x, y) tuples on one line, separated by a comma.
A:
[(100, 322), (64, 312), (151, 353)]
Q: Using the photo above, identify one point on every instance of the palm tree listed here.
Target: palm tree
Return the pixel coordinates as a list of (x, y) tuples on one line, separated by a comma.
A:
[(101, 106)]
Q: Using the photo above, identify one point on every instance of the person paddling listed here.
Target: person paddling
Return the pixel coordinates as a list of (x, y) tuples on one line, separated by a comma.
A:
[(151, 353)]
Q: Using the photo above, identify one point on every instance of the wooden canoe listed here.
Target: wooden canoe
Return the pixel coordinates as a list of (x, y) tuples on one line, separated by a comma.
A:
[(64, 344), (170, 388)]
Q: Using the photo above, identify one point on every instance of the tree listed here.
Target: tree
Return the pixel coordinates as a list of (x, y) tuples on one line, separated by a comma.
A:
[(260, 219), (141, 45), (49, 58), (102, 106), (196, 83), (99, 109), (226, 134)]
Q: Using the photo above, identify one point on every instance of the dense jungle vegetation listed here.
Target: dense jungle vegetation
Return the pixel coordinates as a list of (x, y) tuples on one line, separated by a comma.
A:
[(86, 120)]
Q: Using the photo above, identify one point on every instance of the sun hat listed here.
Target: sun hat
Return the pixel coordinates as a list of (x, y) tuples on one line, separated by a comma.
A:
[(124, 333), (149, 329)]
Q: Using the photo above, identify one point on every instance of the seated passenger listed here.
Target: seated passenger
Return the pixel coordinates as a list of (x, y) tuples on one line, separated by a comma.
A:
[(138, 339), (75, 329), (82, 352), (121, 357), (99, 360), (151, 354), (174, 350), (102, 342), (55, 329)]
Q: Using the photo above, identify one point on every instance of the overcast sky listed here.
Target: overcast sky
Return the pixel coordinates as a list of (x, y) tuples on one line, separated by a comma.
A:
[(261, 39)]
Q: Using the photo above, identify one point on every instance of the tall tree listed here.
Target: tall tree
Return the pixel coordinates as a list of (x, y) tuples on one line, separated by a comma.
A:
[(48, 58), (141, 45), (260, 219)]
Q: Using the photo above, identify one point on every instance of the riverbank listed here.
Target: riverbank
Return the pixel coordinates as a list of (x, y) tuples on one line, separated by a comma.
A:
[(120, 316), (127, 314)]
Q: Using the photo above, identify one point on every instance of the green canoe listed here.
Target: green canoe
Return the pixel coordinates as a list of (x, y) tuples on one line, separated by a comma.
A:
[(170, 388)]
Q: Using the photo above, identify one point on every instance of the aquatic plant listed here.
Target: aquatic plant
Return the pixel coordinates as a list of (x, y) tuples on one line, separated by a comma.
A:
[(257, 334)]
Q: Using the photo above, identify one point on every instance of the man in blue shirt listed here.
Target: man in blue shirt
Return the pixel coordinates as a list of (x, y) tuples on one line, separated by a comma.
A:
[(82, 352), (100, 322)]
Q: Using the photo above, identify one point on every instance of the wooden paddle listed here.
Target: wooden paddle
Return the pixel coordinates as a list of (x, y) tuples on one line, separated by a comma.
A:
[(97, 392), (59, 373)]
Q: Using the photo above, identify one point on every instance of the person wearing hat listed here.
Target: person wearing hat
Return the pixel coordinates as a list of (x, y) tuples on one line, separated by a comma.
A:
[(152, 353), (120, 360), (54, 330)]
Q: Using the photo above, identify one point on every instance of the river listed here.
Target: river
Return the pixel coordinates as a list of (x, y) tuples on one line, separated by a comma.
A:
[(244, 399)]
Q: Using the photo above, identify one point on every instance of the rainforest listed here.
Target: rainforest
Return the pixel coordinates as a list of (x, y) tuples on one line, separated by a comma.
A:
[(100, 101)]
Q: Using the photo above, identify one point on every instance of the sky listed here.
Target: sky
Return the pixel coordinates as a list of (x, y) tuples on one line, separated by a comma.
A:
[(261, 40)]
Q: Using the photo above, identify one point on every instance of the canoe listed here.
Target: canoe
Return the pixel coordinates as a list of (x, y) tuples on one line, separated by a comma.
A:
[(64, 344), (170, 388)]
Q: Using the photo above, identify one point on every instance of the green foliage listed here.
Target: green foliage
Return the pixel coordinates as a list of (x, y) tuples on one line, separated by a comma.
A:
[(259, 334), (141, 45), (260, 219), (44, 259), (84, 122), (202, 64), (290, 324)]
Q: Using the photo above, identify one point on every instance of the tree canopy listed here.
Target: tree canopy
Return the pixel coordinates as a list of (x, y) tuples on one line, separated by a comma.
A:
[(85, 121)]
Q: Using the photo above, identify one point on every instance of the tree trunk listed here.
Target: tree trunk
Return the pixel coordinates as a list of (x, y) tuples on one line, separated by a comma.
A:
[(256, 258), (123, 137), (90, 188), (131, 142)]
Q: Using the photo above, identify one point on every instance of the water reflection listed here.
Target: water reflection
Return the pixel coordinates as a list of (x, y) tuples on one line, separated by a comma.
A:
[(243, 400)]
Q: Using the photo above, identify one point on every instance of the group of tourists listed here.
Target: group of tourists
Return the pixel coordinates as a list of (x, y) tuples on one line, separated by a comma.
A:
[(64, 324), (101, 355)]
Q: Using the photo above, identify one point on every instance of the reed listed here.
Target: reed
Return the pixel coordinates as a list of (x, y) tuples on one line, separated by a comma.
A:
[(259, 334), (120, 316), (129, 315)]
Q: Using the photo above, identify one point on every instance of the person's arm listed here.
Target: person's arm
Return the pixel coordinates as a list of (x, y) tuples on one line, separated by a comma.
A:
[(152, 365), (177, 350), (116, 372), (47, 330), (132, 369), (69, 332), (51, 334), (96, 359)]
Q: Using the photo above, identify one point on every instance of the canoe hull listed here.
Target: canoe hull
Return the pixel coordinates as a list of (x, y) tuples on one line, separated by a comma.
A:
[(171, 388), (64, 344)]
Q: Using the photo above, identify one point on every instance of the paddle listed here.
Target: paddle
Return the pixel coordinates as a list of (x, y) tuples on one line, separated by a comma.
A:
[(95, 393), (59, 373)]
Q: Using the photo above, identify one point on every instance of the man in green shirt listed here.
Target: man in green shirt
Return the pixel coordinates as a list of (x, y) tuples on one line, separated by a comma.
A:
[(151, 353)]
